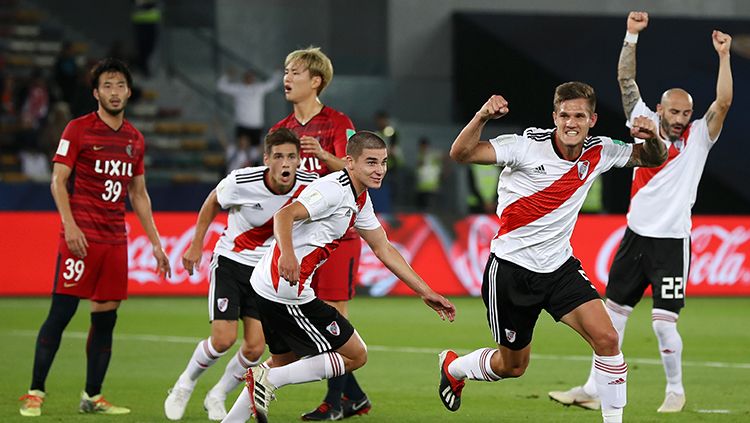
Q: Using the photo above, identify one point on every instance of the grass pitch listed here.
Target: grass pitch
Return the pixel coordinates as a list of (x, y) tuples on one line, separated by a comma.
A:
[(155, 337)]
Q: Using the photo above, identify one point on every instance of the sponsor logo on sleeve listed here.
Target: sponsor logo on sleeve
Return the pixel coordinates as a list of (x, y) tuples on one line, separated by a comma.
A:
[(62, 148)]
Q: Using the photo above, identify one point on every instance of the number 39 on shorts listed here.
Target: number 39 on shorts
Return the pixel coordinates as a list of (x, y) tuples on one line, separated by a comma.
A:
[(73, 269)]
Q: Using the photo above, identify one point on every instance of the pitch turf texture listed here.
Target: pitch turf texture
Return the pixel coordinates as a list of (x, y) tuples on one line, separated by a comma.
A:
[(155, 337)]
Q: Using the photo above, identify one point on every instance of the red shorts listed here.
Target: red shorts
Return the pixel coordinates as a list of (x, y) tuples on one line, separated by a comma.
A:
[(100, 276), (336, 278)]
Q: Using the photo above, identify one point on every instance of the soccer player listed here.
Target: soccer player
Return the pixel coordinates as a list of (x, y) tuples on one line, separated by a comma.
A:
[(546, 175), (323, 132), (655, 250), (296, 323), (252, 195), (99, 161)]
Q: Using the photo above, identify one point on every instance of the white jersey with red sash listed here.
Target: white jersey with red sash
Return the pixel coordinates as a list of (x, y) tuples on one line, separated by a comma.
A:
[(334, 207), (540, 194), (251, 205), (661, 197)]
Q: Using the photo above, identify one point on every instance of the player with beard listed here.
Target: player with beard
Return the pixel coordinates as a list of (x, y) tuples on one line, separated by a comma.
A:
[(99, 161), (323, 132), (252, 195), (655, 250)]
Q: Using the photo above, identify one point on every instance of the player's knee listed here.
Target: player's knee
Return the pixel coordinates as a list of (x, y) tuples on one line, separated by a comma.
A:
[(607, 343), (223, 342), (513, 371), (252, 351)]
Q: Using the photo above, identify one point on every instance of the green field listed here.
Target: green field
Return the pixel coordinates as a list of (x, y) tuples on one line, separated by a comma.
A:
[(155, 337)]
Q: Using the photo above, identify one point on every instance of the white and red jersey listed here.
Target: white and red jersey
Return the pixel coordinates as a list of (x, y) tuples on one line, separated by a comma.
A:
[(661, 197), (540, 194), (251, 205), (334, 207)]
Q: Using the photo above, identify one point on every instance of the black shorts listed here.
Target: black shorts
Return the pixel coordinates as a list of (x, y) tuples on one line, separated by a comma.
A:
[(229, 294), (514, 297), (305, 329), (663, 263)]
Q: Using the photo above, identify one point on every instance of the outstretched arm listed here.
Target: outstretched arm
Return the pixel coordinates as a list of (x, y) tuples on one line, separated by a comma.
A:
[(192, 257), (394, 261), (717, 112), (467, 148), (652, 152), (637, 21)]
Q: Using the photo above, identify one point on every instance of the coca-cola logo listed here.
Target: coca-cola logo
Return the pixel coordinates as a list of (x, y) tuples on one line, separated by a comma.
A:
[(716, 257), (142, 265), (471, 250)]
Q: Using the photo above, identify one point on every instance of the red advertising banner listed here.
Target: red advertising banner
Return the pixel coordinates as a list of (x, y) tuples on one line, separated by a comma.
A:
[(452, 261)]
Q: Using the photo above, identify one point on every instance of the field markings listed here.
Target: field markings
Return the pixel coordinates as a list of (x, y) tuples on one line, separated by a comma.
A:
[(389, 349)]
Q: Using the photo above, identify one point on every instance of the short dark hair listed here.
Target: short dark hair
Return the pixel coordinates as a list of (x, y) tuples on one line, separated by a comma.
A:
[(279, 137), (573, 90), (107, 65), (363, 140)]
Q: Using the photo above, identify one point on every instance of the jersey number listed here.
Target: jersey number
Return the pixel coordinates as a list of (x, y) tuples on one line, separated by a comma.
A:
[(114, 189), (672, 288), (74, 269)]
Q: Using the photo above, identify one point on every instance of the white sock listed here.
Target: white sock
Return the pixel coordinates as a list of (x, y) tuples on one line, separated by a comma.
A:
[(240, 411), (474, 366), (611, 384), (203, 357), (664, 323), (234, 374), (619, 315), (317, 367)]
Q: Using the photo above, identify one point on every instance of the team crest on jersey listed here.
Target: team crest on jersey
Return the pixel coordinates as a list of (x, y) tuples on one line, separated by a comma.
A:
[(222, 304), (129, 150), (510, 335), (333, 328), (583, 169), (679, 145)]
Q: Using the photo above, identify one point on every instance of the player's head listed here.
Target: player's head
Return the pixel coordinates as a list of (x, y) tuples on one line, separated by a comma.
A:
[(574, 112), (366, 157), (281, 155), (306, 72), (111, 82), (675, 111)]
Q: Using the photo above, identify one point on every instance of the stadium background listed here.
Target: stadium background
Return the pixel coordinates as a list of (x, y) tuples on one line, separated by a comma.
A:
[(430, 65)]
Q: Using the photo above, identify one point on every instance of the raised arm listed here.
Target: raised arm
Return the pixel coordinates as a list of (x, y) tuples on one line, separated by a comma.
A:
[(141, 203), (637, 22), (282, 231), (394, 261), (467, 148), (192, 257), (717, 112), (652, 152)]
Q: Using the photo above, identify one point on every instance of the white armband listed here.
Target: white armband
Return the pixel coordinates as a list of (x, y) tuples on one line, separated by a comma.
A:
[(631, 38)]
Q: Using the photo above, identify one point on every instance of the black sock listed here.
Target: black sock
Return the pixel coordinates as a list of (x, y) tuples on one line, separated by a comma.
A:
[(352, 389), (335, 388), (99, 349), (61, 310)]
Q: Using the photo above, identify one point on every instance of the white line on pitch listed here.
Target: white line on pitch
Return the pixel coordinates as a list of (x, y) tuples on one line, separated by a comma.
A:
[(387, 349)]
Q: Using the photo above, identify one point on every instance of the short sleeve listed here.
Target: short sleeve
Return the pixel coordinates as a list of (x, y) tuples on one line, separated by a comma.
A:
[(641, 109), (615, 152), (506, 149), (227, 191), (69, 145), (366, 218), (321, 198), (344, 129)]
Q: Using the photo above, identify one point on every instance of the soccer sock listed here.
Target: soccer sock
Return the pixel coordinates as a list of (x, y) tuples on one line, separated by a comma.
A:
[(240, 411), (317, 367), (203, 357), (99, 349), (61, 310), (475, 366), (664, 323), (234, 374), (611, 384), (619, 315), (352, 389), (335, 389)]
